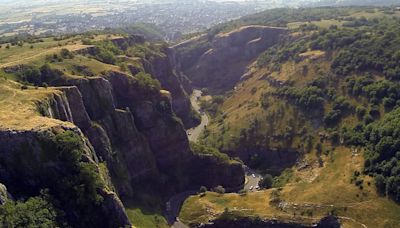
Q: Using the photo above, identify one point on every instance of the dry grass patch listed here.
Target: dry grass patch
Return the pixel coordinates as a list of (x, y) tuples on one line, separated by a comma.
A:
[(18, 108)]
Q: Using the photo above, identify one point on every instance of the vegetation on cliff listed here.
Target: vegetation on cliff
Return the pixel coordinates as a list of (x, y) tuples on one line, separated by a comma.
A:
[(324, 97)]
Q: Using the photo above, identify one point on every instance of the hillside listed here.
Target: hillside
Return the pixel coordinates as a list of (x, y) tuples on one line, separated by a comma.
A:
[(317, 110), (91, 127), (293, 122)]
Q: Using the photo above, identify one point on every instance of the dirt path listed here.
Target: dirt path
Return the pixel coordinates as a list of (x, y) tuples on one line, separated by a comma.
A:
[(48, 51), (353, 220)]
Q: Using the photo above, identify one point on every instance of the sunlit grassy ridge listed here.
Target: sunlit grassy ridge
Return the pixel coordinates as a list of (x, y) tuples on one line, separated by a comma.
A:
[(19, 106), (36, 52), (304, 202)]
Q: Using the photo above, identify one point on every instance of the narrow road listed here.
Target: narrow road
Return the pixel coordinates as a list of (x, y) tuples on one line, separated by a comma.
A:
[(252, 179), (175, 203), (194, 133)]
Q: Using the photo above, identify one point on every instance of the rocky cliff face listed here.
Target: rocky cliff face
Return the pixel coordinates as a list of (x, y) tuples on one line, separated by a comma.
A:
[(227, 222), (29, 163), (163, 68), (136, 132), (124, 124), (204, 168), (221, 65)]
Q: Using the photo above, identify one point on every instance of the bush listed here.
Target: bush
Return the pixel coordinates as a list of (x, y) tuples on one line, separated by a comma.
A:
[(266, 182), (66, 54), (360, 112), (380, 184), (219, 189), (203, 189), (35, 212), (147, 83), (332, 118), (207, 150)]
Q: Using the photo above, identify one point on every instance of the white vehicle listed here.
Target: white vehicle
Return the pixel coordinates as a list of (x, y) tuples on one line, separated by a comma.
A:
[(258, 187), (251, 187), (253, 175), (189, 133)]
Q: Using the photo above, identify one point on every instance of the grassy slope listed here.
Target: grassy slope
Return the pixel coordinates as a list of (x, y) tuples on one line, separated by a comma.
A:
[(19, 110), (22, 55), (331, 190), (18, 107), (143, 218), (319, 189)]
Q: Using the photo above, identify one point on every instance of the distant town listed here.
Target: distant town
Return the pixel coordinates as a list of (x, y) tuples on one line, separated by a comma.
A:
[(174, 17)]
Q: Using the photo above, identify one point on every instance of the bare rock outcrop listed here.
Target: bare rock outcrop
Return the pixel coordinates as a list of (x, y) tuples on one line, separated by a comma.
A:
[(29, 163), (221, 65)]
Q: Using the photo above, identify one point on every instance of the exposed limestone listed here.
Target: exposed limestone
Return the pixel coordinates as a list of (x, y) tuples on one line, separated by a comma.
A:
[(4, 194), (26, 166), (221, 66)]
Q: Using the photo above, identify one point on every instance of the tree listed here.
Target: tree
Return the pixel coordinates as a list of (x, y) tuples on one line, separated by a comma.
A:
[(266, 182), (66, 54), (380, 184), (203, 189), (219, 189), (35, 212)]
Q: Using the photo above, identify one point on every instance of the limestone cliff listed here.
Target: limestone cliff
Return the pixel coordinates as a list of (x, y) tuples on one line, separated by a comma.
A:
[(219, 63), (135, 130), (160, 64), (31, 161), (129, 132), (232, 221)]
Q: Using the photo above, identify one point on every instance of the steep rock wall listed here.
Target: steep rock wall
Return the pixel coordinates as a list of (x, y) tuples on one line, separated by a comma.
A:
[(327, 222), (111, 131), (163, 68), (139, 136), (221, 66), (27, 165)]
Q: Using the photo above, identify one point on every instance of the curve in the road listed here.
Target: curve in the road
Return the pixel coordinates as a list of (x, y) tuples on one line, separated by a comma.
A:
[(194, 133)]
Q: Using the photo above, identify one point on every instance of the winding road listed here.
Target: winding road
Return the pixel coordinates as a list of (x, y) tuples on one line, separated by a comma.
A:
[(194, 133), (175, 203)]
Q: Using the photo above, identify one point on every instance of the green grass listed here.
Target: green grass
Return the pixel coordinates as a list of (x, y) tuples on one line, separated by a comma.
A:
[(321, 24), (330, 191), (36, 54), (141, 218), (19, 108), (96, 67)]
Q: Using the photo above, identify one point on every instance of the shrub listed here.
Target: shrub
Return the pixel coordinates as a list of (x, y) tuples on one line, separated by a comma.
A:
[(266, 182), (380, 184), (219, 189), (66, 54), (203, 189), (360, 112), (332, 118), (147, 83), (35, 212)]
